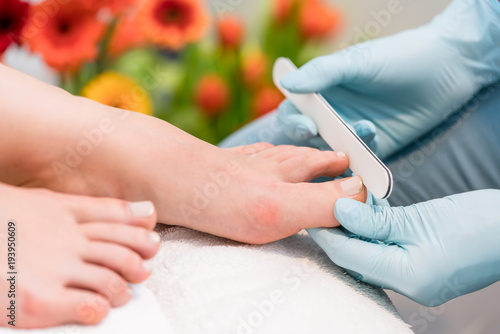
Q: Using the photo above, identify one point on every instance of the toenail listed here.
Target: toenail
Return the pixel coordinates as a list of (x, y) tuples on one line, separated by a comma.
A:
[(341, 155), (147, 266), (154, 237), (352, 186), (141, 209)]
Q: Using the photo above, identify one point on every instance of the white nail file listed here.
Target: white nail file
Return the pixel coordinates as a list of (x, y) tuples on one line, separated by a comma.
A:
[(332, 128)]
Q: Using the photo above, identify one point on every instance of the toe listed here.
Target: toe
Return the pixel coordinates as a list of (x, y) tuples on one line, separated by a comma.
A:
[(83, 307), (145, 242), (103, 281), (90, 209), (308, 165), (121, 260), (314, 203)]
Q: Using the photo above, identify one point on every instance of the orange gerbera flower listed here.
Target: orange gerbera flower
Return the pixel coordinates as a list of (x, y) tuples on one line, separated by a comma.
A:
[(173, 23), (318, 20), (65, 34)]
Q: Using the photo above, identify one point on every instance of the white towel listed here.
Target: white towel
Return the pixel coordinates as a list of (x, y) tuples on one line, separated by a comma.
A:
[(207, 284), (141, 314)]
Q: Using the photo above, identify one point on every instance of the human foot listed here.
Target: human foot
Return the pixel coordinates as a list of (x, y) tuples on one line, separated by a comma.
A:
[(75, 145), (71, 256), (254, 194)]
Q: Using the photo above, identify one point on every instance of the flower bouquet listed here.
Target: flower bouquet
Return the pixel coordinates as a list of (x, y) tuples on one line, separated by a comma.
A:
[(157, 57)]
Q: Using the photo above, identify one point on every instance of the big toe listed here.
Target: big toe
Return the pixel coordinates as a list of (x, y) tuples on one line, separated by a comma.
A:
[(312, 204)]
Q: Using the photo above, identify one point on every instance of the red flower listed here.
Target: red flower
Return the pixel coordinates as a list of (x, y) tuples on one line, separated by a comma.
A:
[(282, 10), (212, 95), (318, 20), (230, 30), (254, 68), (65, 34), (266, 100), (173, 23), (13, 15)]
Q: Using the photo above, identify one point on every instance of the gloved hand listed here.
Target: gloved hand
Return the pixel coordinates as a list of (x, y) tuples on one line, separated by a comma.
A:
[(407, 83), (430, 252), (300, 128)]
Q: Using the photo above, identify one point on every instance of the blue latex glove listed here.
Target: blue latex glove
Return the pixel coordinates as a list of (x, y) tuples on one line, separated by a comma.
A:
[(430, 252), (407, 83)]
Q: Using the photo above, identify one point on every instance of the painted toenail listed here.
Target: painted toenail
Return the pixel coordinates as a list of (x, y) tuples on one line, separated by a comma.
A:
[(341, 155), (352, 186), (154, 237), (141, 209)]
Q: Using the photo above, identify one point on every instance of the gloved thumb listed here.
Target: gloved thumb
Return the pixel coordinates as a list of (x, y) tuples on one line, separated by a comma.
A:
[(321, 73), (371, 221)]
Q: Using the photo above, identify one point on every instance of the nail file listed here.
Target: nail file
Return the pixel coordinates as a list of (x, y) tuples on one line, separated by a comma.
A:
[(332, 128)]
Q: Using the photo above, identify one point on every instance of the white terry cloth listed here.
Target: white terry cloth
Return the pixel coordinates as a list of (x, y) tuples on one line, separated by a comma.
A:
[(207, 284), (142, 314)]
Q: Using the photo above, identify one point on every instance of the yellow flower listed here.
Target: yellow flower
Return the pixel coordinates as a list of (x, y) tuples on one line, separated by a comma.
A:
[(119, 91)]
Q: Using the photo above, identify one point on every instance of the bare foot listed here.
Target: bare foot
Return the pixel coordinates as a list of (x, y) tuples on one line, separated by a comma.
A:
[(253, 194), (75, 145), (73, 255)]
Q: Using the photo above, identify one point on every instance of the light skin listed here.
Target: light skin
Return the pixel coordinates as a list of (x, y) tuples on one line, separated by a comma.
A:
[(255, 194), (74, 255)]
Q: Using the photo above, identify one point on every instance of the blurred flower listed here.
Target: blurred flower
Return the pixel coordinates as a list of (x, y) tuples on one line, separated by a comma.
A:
[(119, 91), (67, 37), (126, 35), (212, 95), (266, 100), (173, 23), (13, 14), (255, 66), (230, 30), (282, 10), (318, 20)]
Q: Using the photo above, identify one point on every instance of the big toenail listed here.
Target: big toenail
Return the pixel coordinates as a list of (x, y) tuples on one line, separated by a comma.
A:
[(141, 209)]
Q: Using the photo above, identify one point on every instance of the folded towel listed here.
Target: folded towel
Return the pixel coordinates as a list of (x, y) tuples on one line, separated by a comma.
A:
[(206, 284)]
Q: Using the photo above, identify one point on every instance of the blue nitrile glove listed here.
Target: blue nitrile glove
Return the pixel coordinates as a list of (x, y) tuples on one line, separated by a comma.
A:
[(301, 128), (430, 252), (407, 83)]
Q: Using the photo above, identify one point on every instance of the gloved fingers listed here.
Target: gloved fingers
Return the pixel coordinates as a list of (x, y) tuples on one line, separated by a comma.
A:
[(367, 131), (297, 126), (372, 221), (321, 73), (366, 261)]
